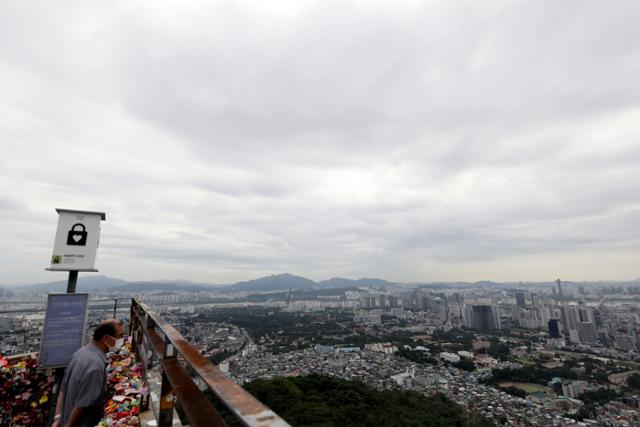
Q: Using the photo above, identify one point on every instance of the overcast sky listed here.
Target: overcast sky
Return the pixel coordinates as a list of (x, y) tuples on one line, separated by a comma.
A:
[(414, 141)]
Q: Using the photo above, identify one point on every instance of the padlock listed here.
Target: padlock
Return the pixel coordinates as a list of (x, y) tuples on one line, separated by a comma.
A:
[(77, 237)]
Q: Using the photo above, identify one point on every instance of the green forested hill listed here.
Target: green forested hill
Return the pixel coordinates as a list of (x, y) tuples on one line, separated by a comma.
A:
[(323, 401)]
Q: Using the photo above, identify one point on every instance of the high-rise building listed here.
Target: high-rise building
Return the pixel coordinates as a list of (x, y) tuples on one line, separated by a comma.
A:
[(570, 317), (587, 333), (554, 328), (624, 340), (382, 301), (439, 307), (421, 301), (535, 299), (573, 389), (482, 317), (520, 301), (368, 302), (559, 287), (585, 324), (393, 301)]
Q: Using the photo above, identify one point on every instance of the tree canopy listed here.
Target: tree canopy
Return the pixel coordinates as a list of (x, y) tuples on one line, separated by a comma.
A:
[(324, 401)]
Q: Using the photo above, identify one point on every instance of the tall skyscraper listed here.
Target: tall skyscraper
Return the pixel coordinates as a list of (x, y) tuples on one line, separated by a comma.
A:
[(554, 328), (382, 301), (569, 319), (393, 301), (586, 326), (520, 301), (559, 287), (535, 299), (482, 317), (585, 314), (587, 333)]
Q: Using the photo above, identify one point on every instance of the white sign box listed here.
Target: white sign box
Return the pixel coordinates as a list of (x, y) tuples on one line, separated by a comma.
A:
[(76, 241)]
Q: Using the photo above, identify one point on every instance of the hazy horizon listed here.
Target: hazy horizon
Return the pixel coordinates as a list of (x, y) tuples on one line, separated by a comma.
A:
[(413, 141), (160, 280)]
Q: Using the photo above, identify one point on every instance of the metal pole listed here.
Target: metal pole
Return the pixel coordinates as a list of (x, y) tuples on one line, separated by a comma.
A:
[(57, 383), (59, 372), (73, 279)]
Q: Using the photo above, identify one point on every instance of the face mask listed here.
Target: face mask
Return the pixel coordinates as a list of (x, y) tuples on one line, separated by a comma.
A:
[(117, 345)]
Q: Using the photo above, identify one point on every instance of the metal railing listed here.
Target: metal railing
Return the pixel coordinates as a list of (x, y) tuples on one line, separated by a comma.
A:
[(154, 339), (41, 305), (98, 309)]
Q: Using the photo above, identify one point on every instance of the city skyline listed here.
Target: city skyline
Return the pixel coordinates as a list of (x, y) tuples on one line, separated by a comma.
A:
[(288, 281), (412, 142)]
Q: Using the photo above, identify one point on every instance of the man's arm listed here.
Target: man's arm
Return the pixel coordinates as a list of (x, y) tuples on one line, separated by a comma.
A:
[(75, 417), (56, 419), (89, 392)]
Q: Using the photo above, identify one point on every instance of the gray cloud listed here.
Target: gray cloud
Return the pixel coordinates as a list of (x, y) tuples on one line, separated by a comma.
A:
[(414, 141)]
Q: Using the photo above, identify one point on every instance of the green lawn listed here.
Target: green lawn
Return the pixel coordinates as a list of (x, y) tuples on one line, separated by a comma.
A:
[(526, 387), (526, 362)]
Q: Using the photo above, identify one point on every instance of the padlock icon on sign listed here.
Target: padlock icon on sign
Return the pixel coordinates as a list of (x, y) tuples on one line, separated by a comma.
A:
[(77, 237)]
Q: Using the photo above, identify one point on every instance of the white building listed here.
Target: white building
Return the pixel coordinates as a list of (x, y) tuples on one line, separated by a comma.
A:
[(573, 389), (386, 347), (450, 357)]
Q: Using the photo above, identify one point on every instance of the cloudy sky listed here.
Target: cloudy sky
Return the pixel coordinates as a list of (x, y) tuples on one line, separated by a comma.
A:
[(415, 141)]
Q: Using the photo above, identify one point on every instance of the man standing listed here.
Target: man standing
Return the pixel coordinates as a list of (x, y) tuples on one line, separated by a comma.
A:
[(84, 387)]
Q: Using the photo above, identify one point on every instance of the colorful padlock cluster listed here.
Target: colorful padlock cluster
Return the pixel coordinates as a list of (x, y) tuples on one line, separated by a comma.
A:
[(25, 392), (126, 385)]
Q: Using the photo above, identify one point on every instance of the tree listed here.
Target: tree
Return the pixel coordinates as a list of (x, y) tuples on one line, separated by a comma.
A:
[(416, 356), (514, 391), (324, 401), (465, 363), (499, 350), (589, 365), (633, 381)]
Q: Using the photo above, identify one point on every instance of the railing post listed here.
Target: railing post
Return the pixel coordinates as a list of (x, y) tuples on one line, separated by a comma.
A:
[(166, 390), (139, 330), (169, 349), (137, 347), (150, 324), (166, 403), (133, 321)]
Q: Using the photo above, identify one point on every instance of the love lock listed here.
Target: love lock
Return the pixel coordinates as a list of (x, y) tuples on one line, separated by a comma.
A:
[(77, 237)]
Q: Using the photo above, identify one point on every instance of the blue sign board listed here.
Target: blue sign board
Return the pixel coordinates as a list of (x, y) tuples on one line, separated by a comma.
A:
[(64, 328)]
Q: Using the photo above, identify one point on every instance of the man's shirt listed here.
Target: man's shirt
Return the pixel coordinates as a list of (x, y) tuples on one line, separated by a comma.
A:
[(85, 385)]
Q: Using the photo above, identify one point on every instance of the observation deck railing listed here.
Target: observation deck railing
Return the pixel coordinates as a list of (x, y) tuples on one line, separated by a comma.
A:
[(155, 341)]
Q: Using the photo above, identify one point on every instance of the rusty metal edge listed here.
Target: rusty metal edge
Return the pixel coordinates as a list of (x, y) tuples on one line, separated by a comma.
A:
[(199, 410), (244, 406)]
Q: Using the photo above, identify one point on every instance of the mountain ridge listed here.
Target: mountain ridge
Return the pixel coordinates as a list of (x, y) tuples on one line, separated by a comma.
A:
[(273, 282)]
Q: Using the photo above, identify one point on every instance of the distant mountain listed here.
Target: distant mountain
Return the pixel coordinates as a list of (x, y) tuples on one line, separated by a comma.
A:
[(92, 283), (185, 282), (165, 286), (273, 283), (279, 282), (341, 282), (85, 283)]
